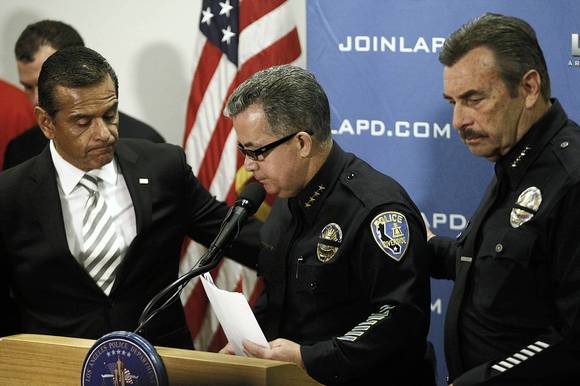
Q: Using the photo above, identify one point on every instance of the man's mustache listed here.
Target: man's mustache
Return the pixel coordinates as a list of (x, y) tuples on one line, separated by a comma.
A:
[(470, 133)]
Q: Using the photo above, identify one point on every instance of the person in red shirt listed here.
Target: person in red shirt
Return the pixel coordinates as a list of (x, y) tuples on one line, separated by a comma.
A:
[(15, 114)]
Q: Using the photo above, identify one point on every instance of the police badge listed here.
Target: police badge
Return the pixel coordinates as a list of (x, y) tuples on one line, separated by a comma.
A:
[(526, 206), (328, 243), (391, 233)]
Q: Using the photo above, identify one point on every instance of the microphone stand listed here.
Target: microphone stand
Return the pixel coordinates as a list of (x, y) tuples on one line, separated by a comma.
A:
[(208, 261), (152, 308), (248, 203)]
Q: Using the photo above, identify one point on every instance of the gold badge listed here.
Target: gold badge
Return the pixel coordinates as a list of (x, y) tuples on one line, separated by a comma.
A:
[(329, 242), (526, 206)]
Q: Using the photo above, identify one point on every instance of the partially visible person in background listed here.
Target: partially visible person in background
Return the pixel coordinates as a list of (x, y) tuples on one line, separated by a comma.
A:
[(36, 43), (15, 115)]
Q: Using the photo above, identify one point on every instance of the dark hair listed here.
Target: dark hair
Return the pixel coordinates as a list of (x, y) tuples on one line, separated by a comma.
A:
[(292, 100), (512, 41), (73, 67), (55, 34)]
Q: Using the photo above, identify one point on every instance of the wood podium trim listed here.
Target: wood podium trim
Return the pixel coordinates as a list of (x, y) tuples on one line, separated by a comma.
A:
[(28, 359)]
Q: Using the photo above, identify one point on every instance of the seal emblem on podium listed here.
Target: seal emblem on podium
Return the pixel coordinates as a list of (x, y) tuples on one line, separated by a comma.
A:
[(123, 358)]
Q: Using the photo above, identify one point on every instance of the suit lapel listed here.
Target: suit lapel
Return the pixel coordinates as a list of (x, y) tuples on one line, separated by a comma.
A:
[(45, 200), (137, 179), (43, 192)]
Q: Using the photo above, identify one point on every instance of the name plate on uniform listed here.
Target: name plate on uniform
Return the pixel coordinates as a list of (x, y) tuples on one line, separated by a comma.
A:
[(123, 358)]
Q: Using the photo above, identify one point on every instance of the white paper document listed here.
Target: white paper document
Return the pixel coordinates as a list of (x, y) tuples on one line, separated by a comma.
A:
[(235, 315)]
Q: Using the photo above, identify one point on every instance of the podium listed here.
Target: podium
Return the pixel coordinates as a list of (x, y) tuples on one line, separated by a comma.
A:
[(28, 359)]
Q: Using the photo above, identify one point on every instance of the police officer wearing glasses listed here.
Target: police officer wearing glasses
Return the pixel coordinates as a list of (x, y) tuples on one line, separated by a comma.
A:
[(344, 263)]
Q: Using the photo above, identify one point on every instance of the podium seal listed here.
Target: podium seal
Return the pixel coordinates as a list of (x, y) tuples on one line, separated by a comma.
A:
[(123, 358)]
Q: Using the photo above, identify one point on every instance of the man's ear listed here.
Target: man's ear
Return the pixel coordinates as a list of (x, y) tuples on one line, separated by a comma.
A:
[(306, 144), (531, 85), (44, 121)]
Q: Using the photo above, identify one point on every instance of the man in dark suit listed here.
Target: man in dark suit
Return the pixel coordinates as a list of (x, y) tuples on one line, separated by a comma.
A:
[(151, 201), (34, 45)]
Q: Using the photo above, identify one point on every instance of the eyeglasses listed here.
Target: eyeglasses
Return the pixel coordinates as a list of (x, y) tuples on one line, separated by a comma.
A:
[(258, 154)]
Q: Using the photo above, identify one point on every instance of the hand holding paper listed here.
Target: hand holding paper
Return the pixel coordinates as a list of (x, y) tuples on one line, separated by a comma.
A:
[(279, 350), (235, 316)]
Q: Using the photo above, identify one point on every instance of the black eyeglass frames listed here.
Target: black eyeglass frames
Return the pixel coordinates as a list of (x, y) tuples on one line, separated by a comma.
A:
[(258, 154)]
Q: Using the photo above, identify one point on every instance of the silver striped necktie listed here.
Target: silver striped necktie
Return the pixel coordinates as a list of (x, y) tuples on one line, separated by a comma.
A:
[(102, 245)]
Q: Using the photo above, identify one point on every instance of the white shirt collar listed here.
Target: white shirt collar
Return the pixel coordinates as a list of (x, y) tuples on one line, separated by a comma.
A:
[(69, 175)]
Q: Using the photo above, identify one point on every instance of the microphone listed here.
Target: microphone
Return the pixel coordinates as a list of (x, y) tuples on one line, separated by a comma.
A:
[(246, 205)]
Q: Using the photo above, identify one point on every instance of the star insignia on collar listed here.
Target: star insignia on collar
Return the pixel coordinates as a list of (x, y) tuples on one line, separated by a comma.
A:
[(314, 196), (520, 156)]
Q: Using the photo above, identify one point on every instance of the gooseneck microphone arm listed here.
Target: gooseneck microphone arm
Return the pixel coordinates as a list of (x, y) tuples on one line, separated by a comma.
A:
[(171, 293), (248, 203)]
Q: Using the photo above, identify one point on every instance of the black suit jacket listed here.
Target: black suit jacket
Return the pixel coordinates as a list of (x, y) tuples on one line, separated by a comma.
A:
[(31, 142), (53, 294)]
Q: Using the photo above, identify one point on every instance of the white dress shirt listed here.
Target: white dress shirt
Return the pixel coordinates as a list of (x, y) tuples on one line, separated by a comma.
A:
[(73, 199)]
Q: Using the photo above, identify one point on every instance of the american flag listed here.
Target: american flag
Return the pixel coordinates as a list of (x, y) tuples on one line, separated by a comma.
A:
[(237, 39)]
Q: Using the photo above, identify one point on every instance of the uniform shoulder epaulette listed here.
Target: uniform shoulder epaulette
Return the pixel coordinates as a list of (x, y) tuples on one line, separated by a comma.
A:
[(370, 186), (566, 147)]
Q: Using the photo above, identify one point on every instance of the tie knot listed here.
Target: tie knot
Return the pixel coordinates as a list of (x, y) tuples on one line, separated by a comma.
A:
[(89, 182)]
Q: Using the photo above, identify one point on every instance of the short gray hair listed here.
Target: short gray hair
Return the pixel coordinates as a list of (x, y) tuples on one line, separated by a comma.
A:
[(291, 98)]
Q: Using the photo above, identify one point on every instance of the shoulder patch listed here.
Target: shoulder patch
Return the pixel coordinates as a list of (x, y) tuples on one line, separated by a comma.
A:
[(391, 233)]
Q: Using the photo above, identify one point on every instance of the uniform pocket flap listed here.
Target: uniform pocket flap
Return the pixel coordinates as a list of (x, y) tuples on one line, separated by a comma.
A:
[(515, 244)]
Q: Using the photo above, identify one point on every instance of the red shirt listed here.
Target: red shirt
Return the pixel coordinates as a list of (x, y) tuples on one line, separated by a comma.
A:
[(15, 115)]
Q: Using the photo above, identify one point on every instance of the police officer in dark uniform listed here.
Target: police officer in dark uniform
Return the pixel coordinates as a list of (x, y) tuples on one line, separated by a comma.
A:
[(346, 279), (514, 313)]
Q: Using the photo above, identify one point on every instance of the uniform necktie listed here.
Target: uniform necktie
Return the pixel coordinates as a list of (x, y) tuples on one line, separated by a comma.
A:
[(102, 245)]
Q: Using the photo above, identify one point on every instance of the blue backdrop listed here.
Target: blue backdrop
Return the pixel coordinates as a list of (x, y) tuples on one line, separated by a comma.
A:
[(377, 60)]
